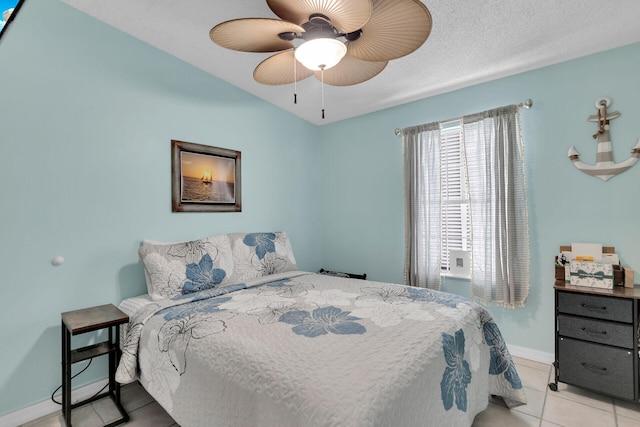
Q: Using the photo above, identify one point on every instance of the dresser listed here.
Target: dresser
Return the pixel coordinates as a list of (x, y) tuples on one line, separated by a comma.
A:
[(596, 339)]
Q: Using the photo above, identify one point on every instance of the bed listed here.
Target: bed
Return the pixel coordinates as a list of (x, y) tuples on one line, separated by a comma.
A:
[(232, 334)]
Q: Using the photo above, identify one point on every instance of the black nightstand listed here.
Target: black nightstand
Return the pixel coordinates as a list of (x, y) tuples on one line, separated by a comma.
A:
[(87, 320), (597, 334)]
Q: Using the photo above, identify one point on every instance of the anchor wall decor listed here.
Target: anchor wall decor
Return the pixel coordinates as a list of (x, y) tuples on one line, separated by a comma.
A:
[(604, 168)]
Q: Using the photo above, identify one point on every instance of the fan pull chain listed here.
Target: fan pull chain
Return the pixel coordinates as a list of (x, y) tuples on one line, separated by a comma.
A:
[(322, 79), (295, 79)]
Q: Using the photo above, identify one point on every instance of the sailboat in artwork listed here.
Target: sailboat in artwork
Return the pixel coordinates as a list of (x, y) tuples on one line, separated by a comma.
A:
[(206, 178)]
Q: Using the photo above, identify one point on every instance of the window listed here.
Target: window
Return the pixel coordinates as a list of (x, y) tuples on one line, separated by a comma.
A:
[(465, 193), (455, 232)]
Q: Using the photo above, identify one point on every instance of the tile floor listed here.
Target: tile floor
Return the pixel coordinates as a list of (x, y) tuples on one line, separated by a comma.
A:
[(568, 407)]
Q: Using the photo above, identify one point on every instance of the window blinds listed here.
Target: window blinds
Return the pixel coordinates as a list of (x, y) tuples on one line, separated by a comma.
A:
[(456, 227)]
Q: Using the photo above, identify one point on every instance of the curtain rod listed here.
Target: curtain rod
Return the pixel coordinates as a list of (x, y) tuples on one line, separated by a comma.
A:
[(526, 104)]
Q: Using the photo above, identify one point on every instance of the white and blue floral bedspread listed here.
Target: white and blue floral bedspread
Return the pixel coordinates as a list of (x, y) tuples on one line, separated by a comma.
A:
[(301, 349)]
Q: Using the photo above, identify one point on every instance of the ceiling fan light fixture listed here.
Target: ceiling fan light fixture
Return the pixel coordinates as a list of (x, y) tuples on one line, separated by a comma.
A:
[(321, 53)]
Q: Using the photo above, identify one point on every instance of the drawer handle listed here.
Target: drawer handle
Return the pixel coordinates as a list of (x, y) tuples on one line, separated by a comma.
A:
[(594, 307), (593, 367), (591, 331)]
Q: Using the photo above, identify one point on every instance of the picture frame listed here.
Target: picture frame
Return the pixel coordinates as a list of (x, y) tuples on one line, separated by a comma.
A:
[(205, 178), (8, 11)]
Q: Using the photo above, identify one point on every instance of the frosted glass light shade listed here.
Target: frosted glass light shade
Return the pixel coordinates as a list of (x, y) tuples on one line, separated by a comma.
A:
[(322, 53)]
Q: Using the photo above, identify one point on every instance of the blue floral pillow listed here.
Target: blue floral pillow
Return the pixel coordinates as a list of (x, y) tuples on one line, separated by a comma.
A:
[(261, 254), (181, 268)]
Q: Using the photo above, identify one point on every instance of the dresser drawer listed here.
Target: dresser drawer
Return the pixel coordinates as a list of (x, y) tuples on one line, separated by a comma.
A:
[(598, 367), (617, 309), (600, 331)]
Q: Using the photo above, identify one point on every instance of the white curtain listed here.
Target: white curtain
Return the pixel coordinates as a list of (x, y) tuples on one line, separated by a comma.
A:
[(421, 145), (500, 239)]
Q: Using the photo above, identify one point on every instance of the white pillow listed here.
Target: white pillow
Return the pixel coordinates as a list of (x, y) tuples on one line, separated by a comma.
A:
[(261, 254), (180, 268)]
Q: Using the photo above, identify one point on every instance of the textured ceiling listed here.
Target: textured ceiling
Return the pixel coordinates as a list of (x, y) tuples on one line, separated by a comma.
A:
[(471, 42)]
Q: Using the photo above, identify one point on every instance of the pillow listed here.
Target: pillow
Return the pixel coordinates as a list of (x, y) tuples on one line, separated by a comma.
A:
[(181, 268), (260, 254), (152, 242)]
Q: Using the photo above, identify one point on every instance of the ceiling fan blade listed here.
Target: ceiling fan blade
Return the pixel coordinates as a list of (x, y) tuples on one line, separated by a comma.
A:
[(279, 69), (396, 28), (253, 34), (346, 15), (351, 71)]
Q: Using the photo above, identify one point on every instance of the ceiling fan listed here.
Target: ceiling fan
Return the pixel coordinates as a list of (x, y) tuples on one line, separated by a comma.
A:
[(341, 42)]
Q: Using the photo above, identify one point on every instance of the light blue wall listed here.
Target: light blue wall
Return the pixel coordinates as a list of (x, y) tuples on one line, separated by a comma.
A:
[(361, 190), (86, 116), (86, 119)]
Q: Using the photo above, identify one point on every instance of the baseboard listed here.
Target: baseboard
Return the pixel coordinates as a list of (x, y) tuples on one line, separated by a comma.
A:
[(47, 407), (531, 354)]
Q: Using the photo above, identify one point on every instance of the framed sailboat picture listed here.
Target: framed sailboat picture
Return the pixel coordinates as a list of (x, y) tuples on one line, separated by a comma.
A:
[(204, 178)]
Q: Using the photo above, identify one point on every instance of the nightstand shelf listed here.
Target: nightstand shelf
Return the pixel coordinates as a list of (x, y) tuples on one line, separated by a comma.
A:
[(87, 320), (91, 351)]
